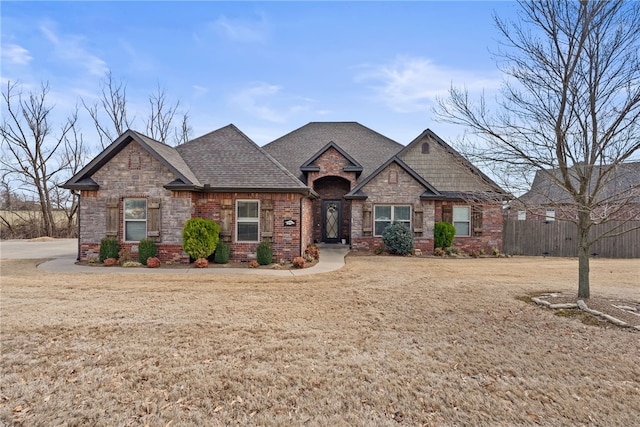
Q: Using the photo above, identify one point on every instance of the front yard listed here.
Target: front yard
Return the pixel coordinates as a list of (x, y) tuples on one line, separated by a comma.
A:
[(383, 341)]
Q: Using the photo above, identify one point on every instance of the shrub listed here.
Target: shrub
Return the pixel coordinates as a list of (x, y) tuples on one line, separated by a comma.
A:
[(379, 250), (298, 262), (110, 262), (313, 251), (443, 233), (146, 249), (201, 263), (398, 239), (264, 253), (153, 262), (124, 255), (438, 252), (253, 264), (200, 237), (223, 251), (108, 248)]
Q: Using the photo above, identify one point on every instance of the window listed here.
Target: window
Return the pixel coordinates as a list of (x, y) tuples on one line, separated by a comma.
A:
[(522, 215), (550, 215), (247, 221), (135, 220), (462, 220), (384, 216)]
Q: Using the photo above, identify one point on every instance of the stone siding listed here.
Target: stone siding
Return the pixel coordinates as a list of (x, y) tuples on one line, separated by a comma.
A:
[(392, 186), (133, 172)]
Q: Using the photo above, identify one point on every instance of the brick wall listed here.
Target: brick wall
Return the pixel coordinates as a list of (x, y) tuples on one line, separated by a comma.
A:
[(285, 241)]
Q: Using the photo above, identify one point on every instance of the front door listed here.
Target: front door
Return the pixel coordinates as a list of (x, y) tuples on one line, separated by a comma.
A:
[(331, 220)]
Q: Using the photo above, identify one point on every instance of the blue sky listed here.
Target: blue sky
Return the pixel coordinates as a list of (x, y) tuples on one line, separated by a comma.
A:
[(267, 67)]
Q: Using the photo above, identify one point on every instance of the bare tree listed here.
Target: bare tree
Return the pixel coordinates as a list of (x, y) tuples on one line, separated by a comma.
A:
[(183, 134), (159, 123), (30, 147), (109, 114), (570, 103)]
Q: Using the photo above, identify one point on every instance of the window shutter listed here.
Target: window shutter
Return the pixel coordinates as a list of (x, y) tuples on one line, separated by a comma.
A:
[(226, 211), (113, 216), (476, 220), (367, 222), (154, 222), (417, 218), (447, 213), (266, 220)]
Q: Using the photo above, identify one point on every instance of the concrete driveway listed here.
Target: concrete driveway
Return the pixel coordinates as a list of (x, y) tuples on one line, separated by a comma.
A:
[(39, 248)]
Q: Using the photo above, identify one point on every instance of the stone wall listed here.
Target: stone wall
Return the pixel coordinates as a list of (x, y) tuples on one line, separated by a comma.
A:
[(133, 173), (392, 186)]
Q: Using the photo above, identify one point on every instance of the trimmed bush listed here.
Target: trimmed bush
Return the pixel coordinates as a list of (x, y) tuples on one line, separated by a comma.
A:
[(223, 251), (443, 233), (153, 262), (146, 249), (264, 253), (200, 237), (398, 239), (298, 262), (108, 248)]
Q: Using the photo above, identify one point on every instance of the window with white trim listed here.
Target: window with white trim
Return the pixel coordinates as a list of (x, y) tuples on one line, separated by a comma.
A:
[(135, 219), (522, 215), (247, 221), (462, 220), (550, 215), (384, 216)]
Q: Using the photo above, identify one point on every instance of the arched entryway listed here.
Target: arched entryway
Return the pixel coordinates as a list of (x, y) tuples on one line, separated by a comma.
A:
[(332, 212)]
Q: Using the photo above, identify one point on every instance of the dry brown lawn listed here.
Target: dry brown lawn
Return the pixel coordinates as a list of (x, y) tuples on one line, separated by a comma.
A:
[(383, 341)]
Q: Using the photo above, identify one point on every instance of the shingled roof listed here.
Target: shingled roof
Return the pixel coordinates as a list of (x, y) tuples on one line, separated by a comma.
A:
[(367, 147), (622, 184), (226, 160)]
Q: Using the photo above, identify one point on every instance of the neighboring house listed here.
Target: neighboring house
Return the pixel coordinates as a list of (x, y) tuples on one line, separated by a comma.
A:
[(618, 196), (324, 182)]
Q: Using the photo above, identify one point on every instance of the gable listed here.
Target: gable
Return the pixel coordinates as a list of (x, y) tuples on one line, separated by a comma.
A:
[(331, 159), (394, 168), (163, 154), (443, 167), (365, 146)]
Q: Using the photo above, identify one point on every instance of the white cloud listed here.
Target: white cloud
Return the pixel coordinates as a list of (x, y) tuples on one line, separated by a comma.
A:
[(199, 91), (267, 102), (411, 84), (15, 54), (243, 31), (70, 48)]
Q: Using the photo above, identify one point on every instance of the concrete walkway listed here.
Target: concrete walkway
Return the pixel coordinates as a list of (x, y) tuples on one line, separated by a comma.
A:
[(64, 252)]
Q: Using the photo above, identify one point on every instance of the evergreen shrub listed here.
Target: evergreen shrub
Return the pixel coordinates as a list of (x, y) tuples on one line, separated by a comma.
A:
[(264, 253), (443, 233), (223, 251), (108, 248), (200, 237), (398, 239), (146, 249)]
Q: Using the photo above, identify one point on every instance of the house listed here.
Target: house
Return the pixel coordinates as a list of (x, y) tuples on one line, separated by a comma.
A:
[(328, 182), (617, 196)]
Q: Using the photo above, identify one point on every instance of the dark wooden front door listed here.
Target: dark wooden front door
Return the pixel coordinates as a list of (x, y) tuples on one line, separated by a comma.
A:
[(331, 221)]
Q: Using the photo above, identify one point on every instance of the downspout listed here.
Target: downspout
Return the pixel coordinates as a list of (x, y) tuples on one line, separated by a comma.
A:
[(301, 221), (79, 206)]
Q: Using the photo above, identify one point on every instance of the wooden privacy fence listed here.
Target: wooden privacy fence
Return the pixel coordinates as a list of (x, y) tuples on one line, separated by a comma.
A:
[(559, 238)]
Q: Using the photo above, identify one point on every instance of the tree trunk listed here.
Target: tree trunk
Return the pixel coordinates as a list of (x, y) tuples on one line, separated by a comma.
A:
[(583, 255)]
